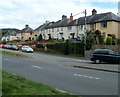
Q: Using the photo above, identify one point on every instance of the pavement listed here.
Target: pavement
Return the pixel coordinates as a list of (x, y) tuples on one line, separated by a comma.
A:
[(101, 67), (109, 67)]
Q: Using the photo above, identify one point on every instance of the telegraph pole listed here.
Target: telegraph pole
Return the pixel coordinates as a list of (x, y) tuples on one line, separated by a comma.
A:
[(85, 29)]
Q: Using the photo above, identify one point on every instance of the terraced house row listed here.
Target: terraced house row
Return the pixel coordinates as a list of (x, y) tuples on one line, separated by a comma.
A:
[(106, 23)]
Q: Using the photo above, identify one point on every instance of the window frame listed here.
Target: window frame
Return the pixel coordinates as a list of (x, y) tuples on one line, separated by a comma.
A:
[(92, 26), (104, 24), (69, 28)]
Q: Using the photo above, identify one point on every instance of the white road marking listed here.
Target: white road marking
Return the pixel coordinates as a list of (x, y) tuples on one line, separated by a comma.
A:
[(86, 76), (9, 60), (36, 66)]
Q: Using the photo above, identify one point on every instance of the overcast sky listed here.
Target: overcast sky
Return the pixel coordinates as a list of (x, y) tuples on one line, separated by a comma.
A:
[(18, 13)]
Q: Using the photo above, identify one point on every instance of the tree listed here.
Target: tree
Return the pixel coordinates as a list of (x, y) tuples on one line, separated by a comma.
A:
[(97, 33), (90, 39), (39, 38)]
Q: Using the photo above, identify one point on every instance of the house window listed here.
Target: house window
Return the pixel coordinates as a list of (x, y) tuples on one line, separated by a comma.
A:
[(103, 24), (30, 33), (91, 26), (29, 38), (49, 31), (69, 28), (61, 29), (58, 30), (81, 27), (52, 29)]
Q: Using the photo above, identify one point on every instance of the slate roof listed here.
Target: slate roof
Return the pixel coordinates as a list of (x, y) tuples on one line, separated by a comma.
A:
[(11, 34), (73, 23), (27, 30), (45, 26), (59, 23), (81, 21), (99, 18), (40, 27)]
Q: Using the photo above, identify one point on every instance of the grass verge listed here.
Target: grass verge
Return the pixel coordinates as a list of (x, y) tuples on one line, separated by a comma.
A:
[(14, 54), (16, 85)]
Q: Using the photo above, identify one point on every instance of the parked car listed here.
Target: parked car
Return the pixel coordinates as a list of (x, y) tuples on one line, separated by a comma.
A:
[(27, 49), (105, 55), (8, 46), (2, 46), (14, 47)]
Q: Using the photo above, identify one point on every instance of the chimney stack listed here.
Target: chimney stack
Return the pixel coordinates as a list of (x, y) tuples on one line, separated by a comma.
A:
[(64, 17), (46, 22), (71, 18), (26, 26), (94, 12)]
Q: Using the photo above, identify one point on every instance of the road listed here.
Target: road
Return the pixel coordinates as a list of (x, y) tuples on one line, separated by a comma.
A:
[(54, 71)]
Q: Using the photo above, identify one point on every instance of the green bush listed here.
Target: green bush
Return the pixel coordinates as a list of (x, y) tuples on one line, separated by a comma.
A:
[(66, 48), (109, 40), (118, 41), (113, 42), (112, 35), (101, 39), (39, 45)]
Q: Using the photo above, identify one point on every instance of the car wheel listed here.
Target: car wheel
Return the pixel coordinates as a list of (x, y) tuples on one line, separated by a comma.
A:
[(97, 61)]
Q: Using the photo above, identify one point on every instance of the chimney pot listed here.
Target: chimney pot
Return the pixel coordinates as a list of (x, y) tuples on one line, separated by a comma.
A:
[(64, 17), (26, 26), (94, 12)]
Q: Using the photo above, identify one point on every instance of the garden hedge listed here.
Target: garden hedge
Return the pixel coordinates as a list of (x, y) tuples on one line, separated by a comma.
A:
[(65, 47)]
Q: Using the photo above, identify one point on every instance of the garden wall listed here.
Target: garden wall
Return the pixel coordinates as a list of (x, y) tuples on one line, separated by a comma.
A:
[(112, 47)]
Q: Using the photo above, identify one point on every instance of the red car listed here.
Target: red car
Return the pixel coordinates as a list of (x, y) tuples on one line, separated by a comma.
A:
[(2, 46)]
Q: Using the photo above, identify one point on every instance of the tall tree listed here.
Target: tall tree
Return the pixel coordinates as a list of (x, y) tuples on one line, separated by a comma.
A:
[(90, 39), (40, 38)]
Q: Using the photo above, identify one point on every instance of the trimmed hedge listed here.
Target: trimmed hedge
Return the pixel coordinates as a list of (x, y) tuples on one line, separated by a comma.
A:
[(109, 40), (66, 48)]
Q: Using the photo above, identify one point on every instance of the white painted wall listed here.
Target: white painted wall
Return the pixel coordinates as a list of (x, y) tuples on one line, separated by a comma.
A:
[(6, 38), (18, 36), (13, 38), (55, 32)]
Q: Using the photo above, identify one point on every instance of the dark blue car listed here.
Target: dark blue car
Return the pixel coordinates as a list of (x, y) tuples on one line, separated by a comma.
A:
[(105, 55)]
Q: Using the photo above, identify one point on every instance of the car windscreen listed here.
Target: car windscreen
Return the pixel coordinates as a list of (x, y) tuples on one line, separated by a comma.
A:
[(100, 52)]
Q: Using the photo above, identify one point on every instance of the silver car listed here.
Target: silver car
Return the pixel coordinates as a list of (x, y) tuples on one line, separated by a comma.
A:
[(27, 49)]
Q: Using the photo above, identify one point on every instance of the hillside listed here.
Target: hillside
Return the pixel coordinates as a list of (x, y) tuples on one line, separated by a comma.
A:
[(6, 30)]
